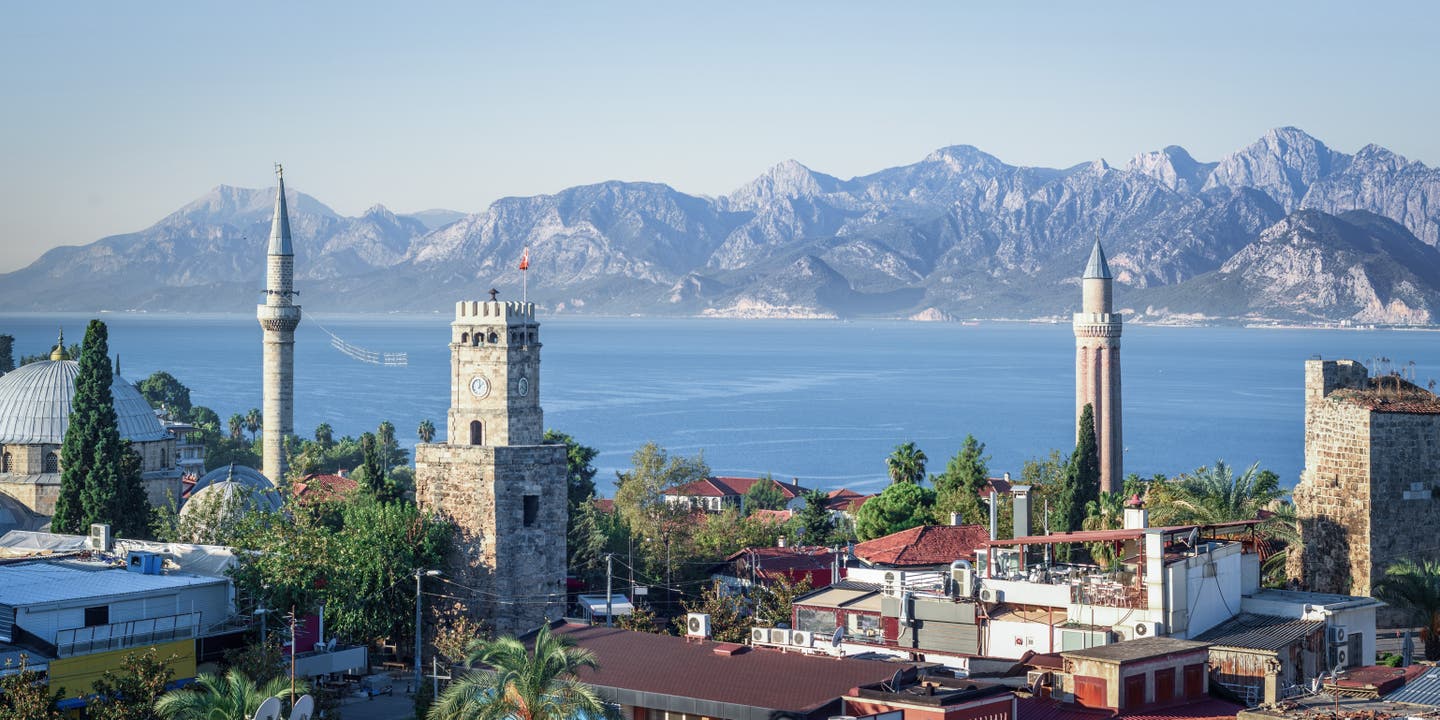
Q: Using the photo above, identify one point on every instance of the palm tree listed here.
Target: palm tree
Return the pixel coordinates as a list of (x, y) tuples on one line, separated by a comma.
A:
[(1415, 587), (1212, 496), (254, 421), (906, 464), (237, 426), (1104, 513), (523, 685), (325, 435), (426, 431), (233, 697)]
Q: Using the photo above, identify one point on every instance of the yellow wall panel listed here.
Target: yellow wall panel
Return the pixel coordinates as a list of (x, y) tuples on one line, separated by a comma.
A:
[(76, 674)]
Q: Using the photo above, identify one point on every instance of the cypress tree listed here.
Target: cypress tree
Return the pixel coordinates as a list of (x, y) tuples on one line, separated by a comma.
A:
[(98, 483), (7, 353), (1083, 474)]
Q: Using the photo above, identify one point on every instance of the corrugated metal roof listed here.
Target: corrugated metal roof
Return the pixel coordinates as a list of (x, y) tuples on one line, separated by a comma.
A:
[(1423, 690), (833, 598), (36, 583), (1132, 650), (35, 405), (1259, 632)]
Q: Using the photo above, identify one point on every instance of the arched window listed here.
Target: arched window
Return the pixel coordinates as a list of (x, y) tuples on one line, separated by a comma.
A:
[(477, 433), (494, 338), (52, 463), (465, 338), (5, 463)]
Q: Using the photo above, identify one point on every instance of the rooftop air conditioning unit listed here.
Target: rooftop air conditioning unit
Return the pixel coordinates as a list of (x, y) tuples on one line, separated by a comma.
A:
[(1342, 657), (962, 580), (100, 539), (801, 638), (1337, 634), (145, 563), (779, 636), (1125, 632), (697, 625), (991, 595), (1147, 629), (759, 635)]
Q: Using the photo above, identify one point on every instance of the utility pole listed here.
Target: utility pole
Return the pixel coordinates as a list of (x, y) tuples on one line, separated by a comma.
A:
[(419, 671), (609, 576)]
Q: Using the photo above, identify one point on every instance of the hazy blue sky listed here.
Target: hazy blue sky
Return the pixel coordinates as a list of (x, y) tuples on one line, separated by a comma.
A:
[(118, 113)]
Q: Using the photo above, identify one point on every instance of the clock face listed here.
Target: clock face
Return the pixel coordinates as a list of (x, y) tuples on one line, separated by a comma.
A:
[(523, 386), (479, 386)]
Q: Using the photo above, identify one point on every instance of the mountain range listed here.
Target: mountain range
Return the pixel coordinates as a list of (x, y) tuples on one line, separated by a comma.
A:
[(1284, 229)]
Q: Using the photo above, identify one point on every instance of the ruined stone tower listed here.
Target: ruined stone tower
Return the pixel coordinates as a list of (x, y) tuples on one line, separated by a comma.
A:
[(492, 477), (278, 318), (1370, 491), (1097, 367)]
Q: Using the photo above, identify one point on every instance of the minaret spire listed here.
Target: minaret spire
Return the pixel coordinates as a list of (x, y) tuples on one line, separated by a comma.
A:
[(1097, 365), (278, 318)]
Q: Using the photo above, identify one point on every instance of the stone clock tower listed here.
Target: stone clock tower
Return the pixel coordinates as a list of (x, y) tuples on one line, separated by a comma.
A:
[(492, 477)]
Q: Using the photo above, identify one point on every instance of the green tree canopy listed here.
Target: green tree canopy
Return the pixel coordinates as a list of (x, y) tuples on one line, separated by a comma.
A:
[(900, 506), (7, 353), (524, 684), (729, 618), (814, 522), (1414, 587), (324, 435), (24, 693), (775, 600), (957, 490), (100, 475), (254, 421), (233, 697), (162, 390), (580, 473), (764, 494), (425, 431), (640, 494), (906, 464), (1081, 483), (130, 694)]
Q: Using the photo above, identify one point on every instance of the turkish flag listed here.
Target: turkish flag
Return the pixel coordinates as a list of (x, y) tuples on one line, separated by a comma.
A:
[(525, 259)]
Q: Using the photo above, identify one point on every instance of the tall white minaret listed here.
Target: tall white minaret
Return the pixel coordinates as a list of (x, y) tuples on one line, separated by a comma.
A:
[(1097, 367), (278, 318)]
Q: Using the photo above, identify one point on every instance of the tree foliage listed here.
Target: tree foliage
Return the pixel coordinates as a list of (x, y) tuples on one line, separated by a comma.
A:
[(232, 697), (24, 693), (100, 476), (1414, 587), (957, 490), (814, 523), (640, 492), (906, 464), (425, 431), (1081, 483), (764, 494), (524, 684), (900, 506), (729, 621), (7, 353), (162, 390), (775, 599), (131, 693), (580, 473)]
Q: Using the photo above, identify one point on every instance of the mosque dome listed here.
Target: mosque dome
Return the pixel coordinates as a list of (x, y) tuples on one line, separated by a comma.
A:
[(15, 516), (234, 482), (35, 405)]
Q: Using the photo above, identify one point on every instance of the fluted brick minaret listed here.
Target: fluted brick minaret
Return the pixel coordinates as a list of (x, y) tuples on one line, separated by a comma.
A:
[(1097, 367), (278, 318)]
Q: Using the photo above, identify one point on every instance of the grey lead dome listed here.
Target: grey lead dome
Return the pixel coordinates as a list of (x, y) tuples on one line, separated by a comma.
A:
[(35, 405)]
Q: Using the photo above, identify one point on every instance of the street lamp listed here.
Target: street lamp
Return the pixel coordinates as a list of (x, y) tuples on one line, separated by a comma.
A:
[(419, 573)]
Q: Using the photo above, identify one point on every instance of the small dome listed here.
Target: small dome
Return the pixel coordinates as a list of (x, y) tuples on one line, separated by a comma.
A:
[(35, 405), (15, 516), (238, 475), (231, 491)]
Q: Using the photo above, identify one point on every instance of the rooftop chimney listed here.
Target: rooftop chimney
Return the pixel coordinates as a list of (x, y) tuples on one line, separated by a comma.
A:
[(1136, 516), (1020, 496)]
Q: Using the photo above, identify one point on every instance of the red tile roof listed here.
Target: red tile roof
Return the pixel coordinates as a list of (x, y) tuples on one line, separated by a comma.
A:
[(319, 488), (731, 487), (774, 516), (605, 505), (668, 665), (845, 500), (786, 559), (924, 545)]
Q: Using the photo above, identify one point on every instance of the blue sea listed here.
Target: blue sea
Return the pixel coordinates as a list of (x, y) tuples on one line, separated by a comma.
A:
[(822, 401)]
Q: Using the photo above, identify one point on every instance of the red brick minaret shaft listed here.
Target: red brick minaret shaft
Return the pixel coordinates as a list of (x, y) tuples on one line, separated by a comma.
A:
[(1097, 367)]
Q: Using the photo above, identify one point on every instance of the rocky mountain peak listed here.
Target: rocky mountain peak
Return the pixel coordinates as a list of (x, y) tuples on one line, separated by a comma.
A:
[(783, 181), (1284, 163), (1173, 167)]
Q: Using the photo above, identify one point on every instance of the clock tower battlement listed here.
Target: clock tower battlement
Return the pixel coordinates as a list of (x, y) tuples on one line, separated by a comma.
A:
[(494, 375)]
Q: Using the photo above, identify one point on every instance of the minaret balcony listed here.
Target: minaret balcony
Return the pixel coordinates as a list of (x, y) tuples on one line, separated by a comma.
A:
[(279, 318)]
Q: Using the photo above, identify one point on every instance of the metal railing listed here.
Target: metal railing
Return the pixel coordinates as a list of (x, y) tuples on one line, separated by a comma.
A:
[(119, 636)]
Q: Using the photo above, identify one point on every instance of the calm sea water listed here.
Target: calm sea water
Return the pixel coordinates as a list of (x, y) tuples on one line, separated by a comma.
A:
[(821, 401)]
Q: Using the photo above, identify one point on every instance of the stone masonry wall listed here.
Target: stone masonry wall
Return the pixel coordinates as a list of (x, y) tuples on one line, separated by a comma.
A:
[(515, 573)]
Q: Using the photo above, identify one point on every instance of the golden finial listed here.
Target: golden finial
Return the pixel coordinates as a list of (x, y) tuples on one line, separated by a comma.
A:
[(59, 352)]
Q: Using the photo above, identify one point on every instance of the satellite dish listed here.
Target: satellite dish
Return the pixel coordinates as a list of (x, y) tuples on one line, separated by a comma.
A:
[(304, 708), (268, 710), (837, 637), (1194, 538), (896, 680)]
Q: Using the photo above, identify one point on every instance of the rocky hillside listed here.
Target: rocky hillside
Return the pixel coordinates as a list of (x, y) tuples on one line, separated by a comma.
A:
[(957, 234)]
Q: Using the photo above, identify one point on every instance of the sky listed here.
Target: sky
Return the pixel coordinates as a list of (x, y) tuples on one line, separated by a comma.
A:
[(116, 114)]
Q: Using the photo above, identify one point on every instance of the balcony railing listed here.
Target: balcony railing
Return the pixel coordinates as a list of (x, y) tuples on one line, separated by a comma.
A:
[(119, 636)]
